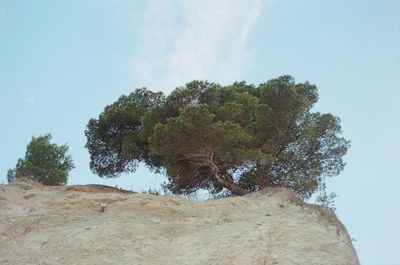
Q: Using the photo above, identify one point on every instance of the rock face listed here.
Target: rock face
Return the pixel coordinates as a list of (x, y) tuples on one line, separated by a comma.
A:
[(95, 225)]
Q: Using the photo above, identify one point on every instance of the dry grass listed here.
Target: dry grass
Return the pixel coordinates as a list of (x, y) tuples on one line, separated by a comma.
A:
[(95, 188), (27, 183)]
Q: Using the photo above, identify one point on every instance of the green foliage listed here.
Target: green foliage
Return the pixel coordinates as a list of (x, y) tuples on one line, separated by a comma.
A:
[(44, 162), (234, 139), (115, 141), (153, 191), (326, 200)]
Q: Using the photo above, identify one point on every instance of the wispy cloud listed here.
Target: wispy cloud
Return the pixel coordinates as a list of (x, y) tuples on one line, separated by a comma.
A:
[(188, 39)]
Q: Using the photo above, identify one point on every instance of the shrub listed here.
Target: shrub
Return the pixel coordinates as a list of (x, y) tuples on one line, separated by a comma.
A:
[(44, 162)]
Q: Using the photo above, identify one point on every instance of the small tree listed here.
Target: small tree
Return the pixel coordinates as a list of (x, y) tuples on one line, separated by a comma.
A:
[(44, 162)]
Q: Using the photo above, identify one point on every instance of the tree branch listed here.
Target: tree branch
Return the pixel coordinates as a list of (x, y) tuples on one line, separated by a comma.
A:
[(234, 188)]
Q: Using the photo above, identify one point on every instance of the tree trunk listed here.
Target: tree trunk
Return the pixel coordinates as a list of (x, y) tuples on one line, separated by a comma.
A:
[(234, 188), (228, 182)]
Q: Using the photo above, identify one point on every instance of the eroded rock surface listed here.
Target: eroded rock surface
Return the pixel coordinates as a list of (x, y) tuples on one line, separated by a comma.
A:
[(57, 225)]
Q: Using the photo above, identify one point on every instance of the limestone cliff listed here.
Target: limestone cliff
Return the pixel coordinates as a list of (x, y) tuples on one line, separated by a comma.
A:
[(100, 225)]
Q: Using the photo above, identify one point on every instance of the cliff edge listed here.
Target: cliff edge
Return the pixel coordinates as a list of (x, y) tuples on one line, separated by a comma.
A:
[(101, 225)]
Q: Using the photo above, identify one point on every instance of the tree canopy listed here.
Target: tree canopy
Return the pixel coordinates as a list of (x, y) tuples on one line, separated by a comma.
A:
[(234, 139), (44, 162)]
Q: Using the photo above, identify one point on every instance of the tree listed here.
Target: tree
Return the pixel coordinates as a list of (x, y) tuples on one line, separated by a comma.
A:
[(44, 162), (115, 140), (234, 139)]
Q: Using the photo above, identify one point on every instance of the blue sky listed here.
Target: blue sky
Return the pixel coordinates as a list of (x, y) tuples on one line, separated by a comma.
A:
[(62, 62)]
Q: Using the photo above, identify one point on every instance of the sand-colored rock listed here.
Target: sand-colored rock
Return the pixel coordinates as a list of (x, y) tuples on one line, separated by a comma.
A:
[(86, 225)]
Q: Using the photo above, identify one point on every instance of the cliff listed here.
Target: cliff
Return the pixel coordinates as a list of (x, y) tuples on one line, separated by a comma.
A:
[(103, 225)]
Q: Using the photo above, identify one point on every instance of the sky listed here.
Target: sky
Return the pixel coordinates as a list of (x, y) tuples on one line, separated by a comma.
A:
[(62, 62)]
